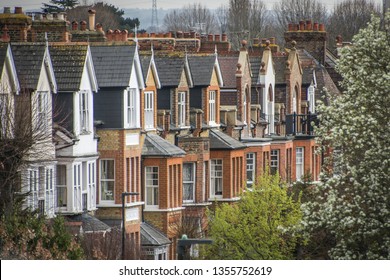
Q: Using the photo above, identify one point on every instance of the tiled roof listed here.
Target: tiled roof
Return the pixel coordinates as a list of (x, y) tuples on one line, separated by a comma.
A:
[(89, 223), (169, 69), (28, 58), (202, 69), (228, 68), (68, 63), (154, 145), (222, 141), (151, 236), (113, 64)]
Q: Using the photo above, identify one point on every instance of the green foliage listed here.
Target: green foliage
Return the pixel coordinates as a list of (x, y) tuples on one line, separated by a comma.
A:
[(262, 225), (352, 203), (57, 6), (25, 235)]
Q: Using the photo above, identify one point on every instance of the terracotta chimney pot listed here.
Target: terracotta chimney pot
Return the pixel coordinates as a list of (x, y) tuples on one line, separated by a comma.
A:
[(290, 27), (83, 25), (217, 37), (124, 35), (75, 25), (210, 37), (308, 25), (272, 40), (301, 25), (224, 37), (322, 27), (315, 26)]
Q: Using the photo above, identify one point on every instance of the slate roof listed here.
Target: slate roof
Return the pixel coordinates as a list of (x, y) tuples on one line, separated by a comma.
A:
[(169, 69), (151, 236), (222, 141), (113, 64), (68, 63), (28, 58), (89, 223), (202, 69), (228, 66), (154, 145), (3, 55), (255, 68), (280, 67), (145, 63)]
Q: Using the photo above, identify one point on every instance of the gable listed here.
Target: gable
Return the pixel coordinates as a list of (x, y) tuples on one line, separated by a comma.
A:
[(183, 80), (214, 78)]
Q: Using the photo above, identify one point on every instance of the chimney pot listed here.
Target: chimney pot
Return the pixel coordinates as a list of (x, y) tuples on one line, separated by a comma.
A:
[(75, 25), (290, 27), (49, 16), (217, 37), (321, 27), (315, 26), (301, 25), (18, 10), (7, 10), (224, 37), (308, 25), (91, 18), (38, 16), (83, 25), (272, 40), (210, 37)]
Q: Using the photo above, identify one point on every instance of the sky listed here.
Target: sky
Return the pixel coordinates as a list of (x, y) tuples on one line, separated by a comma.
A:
[(144, 4)]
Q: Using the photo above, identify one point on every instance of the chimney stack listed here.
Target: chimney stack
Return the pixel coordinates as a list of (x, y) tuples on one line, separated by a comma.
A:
[(91, 19), (7, 10)]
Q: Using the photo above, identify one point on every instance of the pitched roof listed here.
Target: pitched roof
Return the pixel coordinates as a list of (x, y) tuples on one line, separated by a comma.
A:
[(170, 69), (222, 141), (202, 68), (89, 223), (151, 236), (68, 62), (154, 145), (3, 55), (145, 63), (28, 58), (228, 68), (280, 67), (113, 64), (255, 68)]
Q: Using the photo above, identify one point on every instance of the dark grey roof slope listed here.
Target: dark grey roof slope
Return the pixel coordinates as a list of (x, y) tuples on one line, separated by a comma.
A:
[(28, 58), (3, 54), (169, 69), (89, 223), (68, 63), (255, 68), (156, 146), (145, 63), (151, 236), (222, 141), (202, 69), (113, 64)]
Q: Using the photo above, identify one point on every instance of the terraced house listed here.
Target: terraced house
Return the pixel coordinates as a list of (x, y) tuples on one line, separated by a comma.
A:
[(146, 132)]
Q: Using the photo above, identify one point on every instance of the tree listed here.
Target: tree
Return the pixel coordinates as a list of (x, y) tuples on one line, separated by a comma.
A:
[(57, 6), (246, 20), (262, 225), (191, 17), (292, 11), (108, 15), (352, 204), (348, 17)]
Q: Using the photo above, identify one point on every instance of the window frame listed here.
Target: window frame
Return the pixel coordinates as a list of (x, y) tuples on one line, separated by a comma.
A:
[(192, 181), (102, 164), (62, 187), (149, 110), (250, 181), (216, 190), (301, 164), (181, 108), (274, 163), (154, 188), (131, 119), (84, 111), (212, 107)]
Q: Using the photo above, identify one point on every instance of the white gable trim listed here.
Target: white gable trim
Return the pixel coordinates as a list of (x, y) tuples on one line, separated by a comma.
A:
[(91, 71), (10, 65), (50, 70)]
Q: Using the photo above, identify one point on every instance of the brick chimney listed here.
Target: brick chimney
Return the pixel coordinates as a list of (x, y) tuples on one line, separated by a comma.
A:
[(308, 36)]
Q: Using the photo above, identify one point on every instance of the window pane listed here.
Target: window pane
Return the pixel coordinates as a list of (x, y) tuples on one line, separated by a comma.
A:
[(107, 190)]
